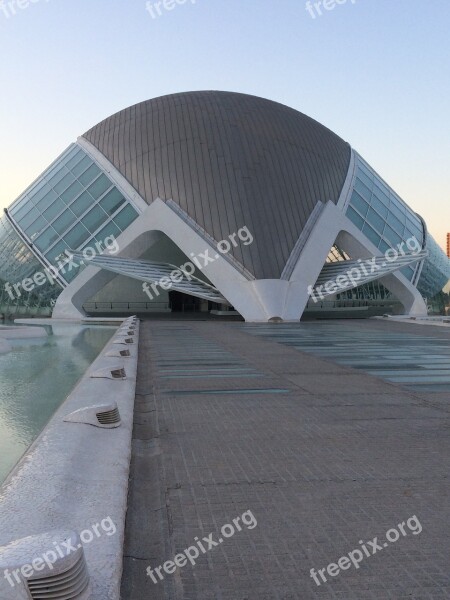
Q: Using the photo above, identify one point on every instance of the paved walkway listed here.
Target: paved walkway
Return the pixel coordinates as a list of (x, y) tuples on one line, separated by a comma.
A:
[(325, 457)]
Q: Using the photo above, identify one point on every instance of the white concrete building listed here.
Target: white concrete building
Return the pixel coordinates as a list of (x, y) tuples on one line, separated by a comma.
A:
[(215, 201)]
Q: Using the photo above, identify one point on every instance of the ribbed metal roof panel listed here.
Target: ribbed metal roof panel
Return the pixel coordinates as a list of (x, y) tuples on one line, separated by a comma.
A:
[(229, 160)]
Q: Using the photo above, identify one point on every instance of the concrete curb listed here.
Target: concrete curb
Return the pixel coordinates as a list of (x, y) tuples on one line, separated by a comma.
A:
[(75, 475)]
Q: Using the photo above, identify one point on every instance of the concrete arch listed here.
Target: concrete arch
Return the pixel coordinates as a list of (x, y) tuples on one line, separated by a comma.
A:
[(256, 300), (145, 231)]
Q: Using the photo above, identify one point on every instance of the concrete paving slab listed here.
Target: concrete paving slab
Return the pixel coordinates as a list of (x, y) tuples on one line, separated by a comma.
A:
[(341, 458)]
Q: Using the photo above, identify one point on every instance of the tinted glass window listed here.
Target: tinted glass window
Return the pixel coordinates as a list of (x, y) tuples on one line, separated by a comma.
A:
[(81, 166), (408, 272), (79, 155), (99, 186), (125, 217), (383, 246), (64, 221), (379, 206), (112, 201), (368, 181), (77, 236), (46, 239), (50, 211), (46, 201), (82, 204), (30, 216), (109, 229), (94, 219), (72, 192), (371, 234), (55, 177), (40, 191), (395, 224), (20, 207), (56, 251), (391, 236), (360, 205), (398, 210), (36, 227), (54, 210), (382, 197), (363, 190), (353, 216), (89, 175), (64, 183), (375, 220)]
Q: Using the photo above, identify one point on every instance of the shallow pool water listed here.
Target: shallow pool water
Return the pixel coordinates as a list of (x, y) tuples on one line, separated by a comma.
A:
[(36, 377)]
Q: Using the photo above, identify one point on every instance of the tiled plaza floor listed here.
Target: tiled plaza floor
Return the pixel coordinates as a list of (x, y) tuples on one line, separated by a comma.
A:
[(325, 457)]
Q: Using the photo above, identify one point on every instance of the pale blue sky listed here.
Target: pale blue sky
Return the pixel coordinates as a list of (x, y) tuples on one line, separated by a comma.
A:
[(377, 72)]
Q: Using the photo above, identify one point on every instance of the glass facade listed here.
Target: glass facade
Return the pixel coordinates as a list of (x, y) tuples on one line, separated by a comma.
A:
[(72, 205), (436, 270), (369, 291), (381, 214), (387, 221), (17, 263)]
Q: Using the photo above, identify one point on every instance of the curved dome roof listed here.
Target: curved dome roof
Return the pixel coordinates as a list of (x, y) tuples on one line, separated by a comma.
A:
[(229, 160)]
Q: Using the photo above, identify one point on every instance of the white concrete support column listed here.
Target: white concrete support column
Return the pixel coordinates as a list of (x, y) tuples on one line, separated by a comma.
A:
[(287, 300)]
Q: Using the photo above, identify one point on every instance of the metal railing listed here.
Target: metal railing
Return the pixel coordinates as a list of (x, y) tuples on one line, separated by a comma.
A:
[(8, 311), (362, 303), (128, 306)]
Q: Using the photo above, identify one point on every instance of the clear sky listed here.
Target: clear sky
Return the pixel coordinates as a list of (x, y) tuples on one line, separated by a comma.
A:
[(377, 72)]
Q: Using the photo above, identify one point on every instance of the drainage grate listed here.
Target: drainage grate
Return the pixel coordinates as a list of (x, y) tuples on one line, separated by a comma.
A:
[(116, 352), (123, 341), (118, 374), (114, 372), (109, 417), (64, 586), (106, 416)]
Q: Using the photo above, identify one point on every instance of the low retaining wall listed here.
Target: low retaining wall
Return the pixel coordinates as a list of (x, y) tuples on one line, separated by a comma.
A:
[(75, 476)]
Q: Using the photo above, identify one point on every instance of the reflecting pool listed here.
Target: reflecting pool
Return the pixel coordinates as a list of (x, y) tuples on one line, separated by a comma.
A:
[(36, 377)]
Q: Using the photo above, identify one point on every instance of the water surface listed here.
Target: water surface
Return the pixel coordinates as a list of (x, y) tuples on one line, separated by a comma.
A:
[(36, 377)]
